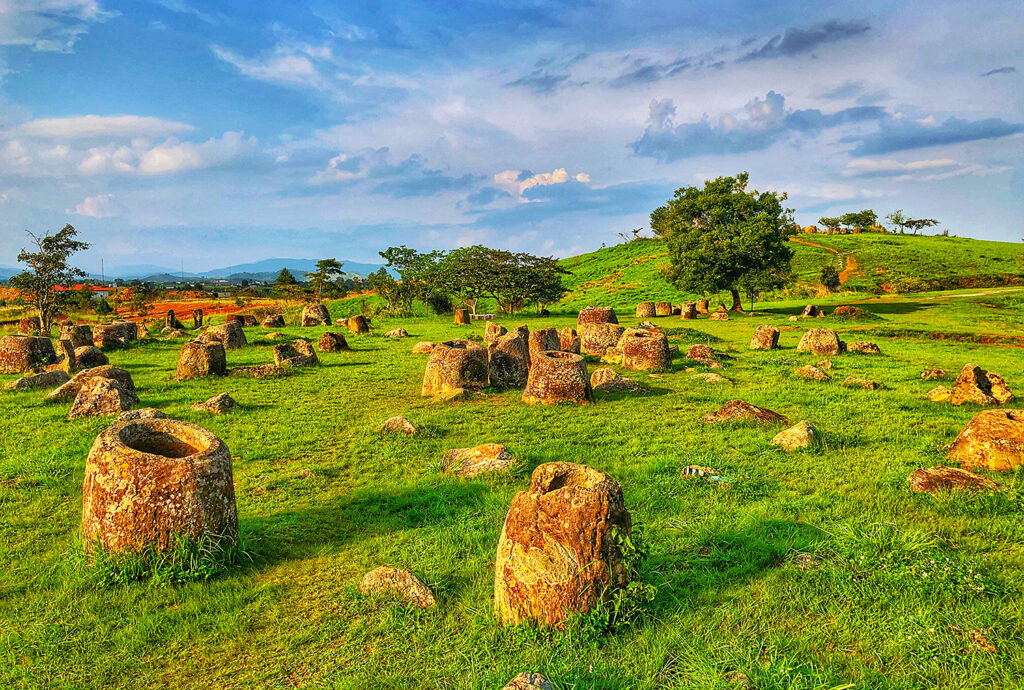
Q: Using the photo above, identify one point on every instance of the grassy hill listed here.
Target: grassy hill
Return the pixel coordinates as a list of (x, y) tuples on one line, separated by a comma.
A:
[(629, 273)]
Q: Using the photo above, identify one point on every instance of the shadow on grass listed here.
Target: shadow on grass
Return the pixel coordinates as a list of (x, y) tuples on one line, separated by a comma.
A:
[(365, 514)]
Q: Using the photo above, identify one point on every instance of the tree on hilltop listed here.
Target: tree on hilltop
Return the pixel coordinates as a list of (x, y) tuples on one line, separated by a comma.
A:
[(324, 278), (725, 237), (285, 278)]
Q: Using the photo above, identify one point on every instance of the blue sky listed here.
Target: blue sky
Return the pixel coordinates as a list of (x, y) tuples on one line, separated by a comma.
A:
[(213, 133)]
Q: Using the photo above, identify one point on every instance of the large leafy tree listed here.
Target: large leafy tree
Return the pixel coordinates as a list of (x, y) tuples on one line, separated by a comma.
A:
[(325, 278), (725, 237), (48, 269), (418, 273), (511, 279)]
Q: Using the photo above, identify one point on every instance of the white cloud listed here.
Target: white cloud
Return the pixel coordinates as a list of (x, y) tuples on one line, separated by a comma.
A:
[(91, 126), (514, 182), (99, 206), (48, 25), (876, 166), (288, 67)]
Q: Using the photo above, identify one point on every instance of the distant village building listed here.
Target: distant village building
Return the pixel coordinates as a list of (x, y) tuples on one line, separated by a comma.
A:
[(96, 292)]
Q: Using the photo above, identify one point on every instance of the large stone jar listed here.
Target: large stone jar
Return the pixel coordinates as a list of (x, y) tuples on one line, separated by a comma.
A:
[(453, 365), (151, 481), (557, 377), (559, 549)]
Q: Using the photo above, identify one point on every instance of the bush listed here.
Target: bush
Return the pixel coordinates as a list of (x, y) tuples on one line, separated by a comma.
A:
[(830, 276), (439, 303), (103, 308)]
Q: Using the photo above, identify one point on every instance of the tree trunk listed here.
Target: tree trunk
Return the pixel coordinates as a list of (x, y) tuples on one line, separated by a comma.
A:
[(736, 304)]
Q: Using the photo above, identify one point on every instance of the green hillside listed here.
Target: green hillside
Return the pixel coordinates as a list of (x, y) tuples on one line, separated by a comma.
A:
[(628, 273)]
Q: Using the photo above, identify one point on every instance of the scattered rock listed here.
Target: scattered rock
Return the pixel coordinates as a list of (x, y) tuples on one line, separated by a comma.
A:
[(66, 359), (529, 681), (358, 325), (80, 336), (934, 374), (820, 341), (149, 482), (719, 316), (273, 321), (558, 377), (803, 435), (993, 440), (100, 396), (299, 353), (470, 462), (543, 340), (852, 314), (809, 312), (644, 350), (314, 315), (812, 373), (596, 338), (594, 315), (45, 379), (423, 348), (765, 338), (1000, 391), (70, 390), (218, 404), (740, 411), (332, 342), (230, 335), (972, 385), (943, 478), (865, 348), (398, 425), (24, 353), (144, 413), (712, 378), (198, 359), (559, 549), (825, 364), (397, 583), (610, 381), (703, 355), (397, 333), (855, 382), (109, 336), (455, 364), (940, 394), (702, 306)]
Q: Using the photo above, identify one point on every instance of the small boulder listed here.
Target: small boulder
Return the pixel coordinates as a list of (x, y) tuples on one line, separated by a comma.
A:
[(812, 373), (198, 359), (332, 342), (765, 338), (358, 325), (712, 378), (855, 382), (298, 353), (934, 374), (70, 390), (397, 333), (398, 425), (529, 681), (45, 379), (273, 321), (940, 394), (313, 315), (993, 440), (741, 411), (972, 385), (218, 404), (144, 413), (99, 397), (423, 348), (718, 316), (941, 478), (810, 311), (1000, 391), (610, 381), (803, 435), (230, 335), (825, 364), (398, 583), (865, 348), (820, 341), (470, 462)]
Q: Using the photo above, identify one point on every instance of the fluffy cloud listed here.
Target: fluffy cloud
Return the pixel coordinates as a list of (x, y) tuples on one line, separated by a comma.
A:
[(518, 181), (764, 121), (94, 126), (99, 206), (284, 66), (48, 25)]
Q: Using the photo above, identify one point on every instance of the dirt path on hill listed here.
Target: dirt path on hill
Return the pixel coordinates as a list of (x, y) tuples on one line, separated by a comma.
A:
[(850, 265)]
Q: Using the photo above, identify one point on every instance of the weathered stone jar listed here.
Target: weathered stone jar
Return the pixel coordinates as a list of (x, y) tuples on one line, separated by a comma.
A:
[(559, 553), (148, 481), (461, 317), (21, 353), (557, 377), (453, 365), (198, 359), (596, 338), (542, 340), (645, 350), (596, 315), (315, 315), (645, 310), (663, 309)]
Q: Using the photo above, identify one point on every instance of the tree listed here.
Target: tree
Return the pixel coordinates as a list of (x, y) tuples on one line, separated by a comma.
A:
[(48, 270), (830, 276), (285, 278), (324, 277), (830, 222), (725, 237), (904, 222), (511, 279), (898, 220), (916, 224), (103, 308), (417, 271), (860, 219)]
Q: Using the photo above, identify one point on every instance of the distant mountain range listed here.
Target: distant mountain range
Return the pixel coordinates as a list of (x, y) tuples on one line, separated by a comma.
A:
[(265, 270)]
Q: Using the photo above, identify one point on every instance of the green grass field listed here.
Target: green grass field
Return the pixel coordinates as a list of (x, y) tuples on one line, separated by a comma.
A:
[(629, 273), (903, 578)]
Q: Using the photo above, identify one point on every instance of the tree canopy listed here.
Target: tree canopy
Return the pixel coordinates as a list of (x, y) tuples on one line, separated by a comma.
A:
[(725, 237), (284, 278), (49, 269), (324, 278), (904, 222)]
